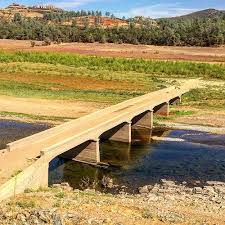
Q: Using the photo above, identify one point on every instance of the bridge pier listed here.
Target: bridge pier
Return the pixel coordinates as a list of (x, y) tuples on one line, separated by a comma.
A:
[(87, 152), (175, 101), (120, 133), (123, 134), (144, 120), (162, 109)]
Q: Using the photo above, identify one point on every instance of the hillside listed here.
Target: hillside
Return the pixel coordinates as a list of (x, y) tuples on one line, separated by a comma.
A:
[(30, 12), (51, 24), (58, 16), (202, 14)]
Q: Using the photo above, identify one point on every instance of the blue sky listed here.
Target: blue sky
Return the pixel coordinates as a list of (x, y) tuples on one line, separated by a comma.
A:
[(128, 8)]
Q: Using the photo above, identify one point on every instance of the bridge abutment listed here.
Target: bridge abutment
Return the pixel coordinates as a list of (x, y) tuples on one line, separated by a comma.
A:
[(41, 177), (162, 109)]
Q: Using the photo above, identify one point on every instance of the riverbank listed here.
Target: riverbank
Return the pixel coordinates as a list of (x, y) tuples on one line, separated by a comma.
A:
[(164, 204)]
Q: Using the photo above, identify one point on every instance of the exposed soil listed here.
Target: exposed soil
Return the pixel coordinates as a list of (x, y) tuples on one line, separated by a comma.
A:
[(68, 82), (203, 54), (204, 117), (45, 107)]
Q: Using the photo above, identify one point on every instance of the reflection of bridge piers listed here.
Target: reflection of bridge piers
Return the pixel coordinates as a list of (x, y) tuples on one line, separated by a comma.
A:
[(80, 139), (113, 151)]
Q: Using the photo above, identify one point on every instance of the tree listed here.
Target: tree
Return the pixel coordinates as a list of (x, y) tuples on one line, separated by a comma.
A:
[(17, 18)]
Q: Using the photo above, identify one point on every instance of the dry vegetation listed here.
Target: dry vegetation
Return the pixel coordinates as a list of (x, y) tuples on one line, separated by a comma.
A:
[(206, 54), (54, 206)]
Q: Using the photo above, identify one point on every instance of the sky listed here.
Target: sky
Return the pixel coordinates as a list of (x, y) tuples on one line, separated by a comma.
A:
[(129, 8)]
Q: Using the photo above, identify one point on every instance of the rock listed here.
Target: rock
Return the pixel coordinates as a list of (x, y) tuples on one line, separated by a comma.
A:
[(145, 189), (70, 215), (220, 190), (57, 220), (107, 182), (152, 198), (209, 190), (215, 183), (216, 200), (43, 217), (21, 217), (167, 183), (56, 185), (64, 186), (107, 221), (197, 190), (26, 214)]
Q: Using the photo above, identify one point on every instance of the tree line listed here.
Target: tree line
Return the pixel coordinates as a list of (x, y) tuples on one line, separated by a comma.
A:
[(208, 31)]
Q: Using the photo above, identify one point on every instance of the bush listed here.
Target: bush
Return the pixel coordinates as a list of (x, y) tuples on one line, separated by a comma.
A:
[(33, 44), (46, 42)]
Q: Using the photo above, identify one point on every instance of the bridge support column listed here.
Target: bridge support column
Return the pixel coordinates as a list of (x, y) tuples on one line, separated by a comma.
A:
[(87, 152), (144, 120), (122, 133), (162, 109), (175, 101)]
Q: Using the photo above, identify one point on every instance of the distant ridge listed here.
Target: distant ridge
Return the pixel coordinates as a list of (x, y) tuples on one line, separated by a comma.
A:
[(202, 14)]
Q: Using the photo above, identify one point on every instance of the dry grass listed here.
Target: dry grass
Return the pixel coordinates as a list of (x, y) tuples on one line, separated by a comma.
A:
[(204, 54)]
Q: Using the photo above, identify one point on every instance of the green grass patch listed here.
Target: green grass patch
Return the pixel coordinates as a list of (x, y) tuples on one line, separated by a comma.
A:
[(210, 97), (158, 68), (60, 195), (173, 115), (182, 113), (24, 204)]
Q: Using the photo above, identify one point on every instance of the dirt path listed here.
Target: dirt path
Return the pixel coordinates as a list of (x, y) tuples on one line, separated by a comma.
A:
[(43, 107)]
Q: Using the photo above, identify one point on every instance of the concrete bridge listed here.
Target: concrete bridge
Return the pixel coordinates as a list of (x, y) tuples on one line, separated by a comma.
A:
[(80, 138)]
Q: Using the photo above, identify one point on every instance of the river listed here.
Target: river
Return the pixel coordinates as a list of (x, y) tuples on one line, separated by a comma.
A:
[(186, 156)]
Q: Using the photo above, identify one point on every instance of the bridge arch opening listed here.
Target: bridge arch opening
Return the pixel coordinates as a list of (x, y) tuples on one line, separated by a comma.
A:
[(87, 152), (175, 101)]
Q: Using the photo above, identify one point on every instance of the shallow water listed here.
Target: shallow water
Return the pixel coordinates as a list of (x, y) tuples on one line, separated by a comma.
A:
[(199, 158), (13, 130)]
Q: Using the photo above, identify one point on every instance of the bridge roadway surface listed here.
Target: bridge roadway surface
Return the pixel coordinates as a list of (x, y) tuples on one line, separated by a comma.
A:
[(57, 140)]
